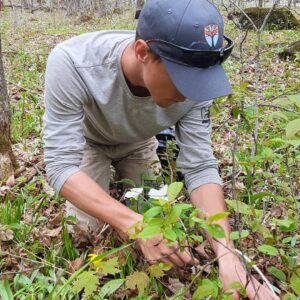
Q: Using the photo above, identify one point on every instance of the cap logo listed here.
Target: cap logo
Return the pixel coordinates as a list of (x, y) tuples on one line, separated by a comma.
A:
[(211, 33)]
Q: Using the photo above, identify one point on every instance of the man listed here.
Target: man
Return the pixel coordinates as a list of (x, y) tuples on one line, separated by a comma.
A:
[(108, 94)]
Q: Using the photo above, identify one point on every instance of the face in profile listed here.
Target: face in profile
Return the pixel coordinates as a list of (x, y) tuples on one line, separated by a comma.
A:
[(159, 84)]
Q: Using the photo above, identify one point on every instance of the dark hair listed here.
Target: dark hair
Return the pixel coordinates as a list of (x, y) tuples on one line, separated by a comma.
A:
[(156, 57)]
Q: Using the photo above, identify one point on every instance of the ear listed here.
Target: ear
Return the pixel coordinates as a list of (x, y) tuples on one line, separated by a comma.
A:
[(141, 50)]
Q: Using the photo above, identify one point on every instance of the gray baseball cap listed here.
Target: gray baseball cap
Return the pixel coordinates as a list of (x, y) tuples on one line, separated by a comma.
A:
[(188, 36)]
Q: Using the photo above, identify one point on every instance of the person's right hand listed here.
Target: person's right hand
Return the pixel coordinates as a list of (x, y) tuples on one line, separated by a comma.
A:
[(155, 250)]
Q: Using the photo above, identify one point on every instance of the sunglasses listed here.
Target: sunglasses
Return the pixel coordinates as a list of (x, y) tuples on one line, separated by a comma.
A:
[(191, 57)]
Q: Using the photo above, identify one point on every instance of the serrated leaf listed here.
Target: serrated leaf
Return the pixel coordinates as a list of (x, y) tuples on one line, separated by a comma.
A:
[(152, 212), (218, 216), (295, 282), (109, 266), (293, 129), (110, 287), (169, 234), (235, 234), (156, 271), (277, 273), (267, 249), (139, 280), (86, 281), (173, 190)]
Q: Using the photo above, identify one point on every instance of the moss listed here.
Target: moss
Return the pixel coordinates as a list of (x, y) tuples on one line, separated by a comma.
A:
[(280, 18), (290, 51)]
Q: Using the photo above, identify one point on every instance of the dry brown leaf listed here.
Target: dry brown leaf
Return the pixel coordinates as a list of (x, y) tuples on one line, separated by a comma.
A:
[(6, 234), (76, 264)]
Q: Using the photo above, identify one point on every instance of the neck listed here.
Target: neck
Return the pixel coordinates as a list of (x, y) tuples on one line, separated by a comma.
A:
[(132, 71)]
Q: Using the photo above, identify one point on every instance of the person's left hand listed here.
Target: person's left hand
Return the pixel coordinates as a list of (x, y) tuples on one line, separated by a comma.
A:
[(231, 270)]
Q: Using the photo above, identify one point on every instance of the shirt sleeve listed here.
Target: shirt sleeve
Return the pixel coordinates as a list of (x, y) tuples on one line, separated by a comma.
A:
[(195, 158), (65, 93)]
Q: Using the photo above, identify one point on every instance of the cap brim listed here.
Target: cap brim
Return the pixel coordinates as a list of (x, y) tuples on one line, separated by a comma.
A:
[(198, 84)]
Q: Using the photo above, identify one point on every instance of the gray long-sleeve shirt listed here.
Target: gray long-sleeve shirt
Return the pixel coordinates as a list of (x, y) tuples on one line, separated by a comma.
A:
[(87, 99)]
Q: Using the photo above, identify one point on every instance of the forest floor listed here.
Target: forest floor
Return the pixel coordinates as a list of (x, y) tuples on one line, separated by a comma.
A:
[(40, 260)]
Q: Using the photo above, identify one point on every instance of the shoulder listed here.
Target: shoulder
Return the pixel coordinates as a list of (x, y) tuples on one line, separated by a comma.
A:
[(95, 48)]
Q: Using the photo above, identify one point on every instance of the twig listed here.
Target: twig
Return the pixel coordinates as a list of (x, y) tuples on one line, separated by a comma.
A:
[(279, 107), (237, 215), (187, 239), (258, 271), (31, 92)]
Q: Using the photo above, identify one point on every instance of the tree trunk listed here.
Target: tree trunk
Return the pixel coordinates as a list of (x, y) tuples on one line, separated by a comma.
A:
[(7, 160), (1, 5), (139, 4)]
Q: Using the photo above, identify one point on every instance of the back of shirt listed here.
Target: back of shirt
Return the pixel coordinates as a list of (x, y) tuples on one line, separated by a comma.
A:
[(87, 98)]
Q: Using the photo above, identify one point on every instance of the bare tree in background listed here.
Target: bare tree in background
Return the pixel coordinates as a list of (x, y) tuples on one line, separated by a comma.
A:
[(7, 159)]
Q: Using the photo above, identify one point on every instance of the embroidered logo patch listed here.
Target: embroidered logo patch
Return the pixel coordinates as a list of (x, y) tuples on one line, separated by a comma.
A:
[(211, 33)]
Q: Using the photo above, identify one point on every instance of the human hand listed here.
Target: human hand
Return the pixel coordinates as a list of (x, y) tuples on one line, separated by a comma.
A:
[(231, 270), (156, 250)]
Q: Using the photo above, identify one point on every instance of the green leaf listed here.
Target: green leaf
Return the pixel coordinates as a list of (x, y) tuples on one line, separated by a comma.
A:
[(110, 287), (286, 225), (173, 190), (277, 273), (127, 181), (5, 291), (287, 239), (279, 115), (197, 238), (156, 271), (109, 266), (289, 296), (293, 129), (215, 230), (169, 234), (150, 231), (240, 207), (267, 249), (295, 99), (174, 214), (152, 212), (261, 195), (139, 280), (236, 285), (88, 281), (295, 282), (207, 288), (234, 235), (218, 216), (282, 101)]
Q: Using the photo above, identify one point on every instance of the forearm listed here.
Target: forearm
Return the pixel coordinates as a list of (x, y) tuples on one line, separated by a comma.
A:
[(210, 199), (88, 196)]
